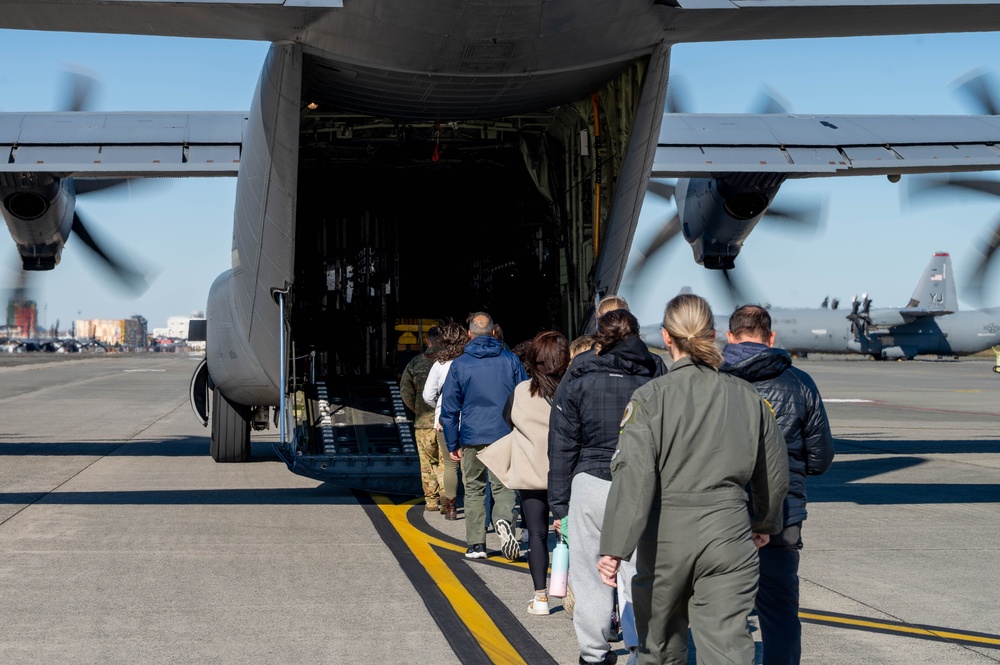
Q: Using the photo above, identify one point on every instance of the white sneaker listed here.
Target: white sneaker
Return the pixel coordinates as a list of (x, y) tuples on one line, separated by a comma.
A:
[(539, 605)]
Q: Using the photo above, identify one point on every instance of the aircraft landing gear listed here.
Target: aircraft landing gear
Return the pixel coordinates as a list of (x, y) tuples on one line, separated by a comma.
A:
[(230, 430), (996, 368)]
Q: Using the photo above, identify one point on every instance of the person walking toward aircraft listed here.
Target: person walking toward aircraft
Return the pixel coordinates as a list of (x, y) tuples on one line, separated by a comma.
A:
[(411, 387), (521, 459), (472, 400), (583, 433), (691, 442), (453, 339), (796, 401)]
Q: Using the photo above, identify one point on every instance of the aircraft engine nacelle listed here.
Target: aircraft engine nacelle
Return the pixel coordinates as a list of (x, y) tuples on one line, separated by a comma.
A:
[(38, 209), (717, 214), (234, 369)]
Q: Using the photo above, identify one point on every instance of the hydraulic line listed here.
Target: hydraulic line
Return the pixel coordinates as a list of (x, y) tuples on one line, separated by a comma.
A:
[(595, 98)]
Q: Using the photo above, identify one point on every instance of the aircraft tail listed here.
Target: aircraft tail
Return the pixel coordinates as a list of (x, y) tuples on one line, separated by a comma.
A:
[(935, 292)]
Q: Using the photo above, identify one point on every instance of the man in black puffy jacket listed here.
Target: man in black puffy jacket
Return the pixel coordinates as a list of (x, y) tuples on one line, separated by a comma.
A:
[(802, 419)]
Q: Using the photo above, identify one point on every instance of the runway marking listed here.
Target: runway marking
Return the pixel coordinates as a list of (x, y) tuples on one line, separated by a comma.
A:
[(935, 633), (460, 598), (440, 574)]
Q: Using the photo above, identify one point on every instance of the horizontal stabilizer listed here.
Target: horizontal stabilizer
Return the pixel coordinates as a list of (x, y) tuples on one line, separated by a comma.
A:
[(917, 312)]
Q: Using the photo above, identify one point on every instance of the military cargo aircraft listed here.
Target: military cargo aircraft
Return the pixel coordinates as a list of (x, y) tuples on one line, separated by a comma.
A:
[(524, 133), (929, 324)]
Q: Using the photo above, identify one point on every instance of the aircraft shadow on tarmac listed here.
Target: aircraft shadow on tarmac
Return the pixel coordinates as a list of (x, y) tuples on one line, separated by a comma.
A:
[(915, 447), (188, 446), (842, 484), (325, 495)]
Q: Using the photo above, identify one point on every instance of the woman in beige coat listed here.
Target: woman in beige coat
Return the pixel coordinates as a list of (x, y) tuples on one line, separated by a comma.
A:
[(527, 414)]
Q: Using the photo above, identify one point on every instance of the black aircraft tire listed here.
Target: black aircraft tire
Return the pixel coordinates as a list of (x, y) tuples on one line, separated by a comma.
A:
[(996, 369), (230, 430)]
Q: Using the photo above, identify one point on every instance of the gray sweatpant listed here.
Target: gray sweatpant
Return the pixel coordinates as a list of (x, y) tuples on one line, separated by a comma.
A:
[(594, 599)]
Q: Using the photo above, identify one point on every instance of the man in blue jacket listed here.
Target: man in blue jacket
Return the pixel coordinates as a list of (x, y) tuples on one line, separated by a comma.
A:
[(802, 420), (472, 402)]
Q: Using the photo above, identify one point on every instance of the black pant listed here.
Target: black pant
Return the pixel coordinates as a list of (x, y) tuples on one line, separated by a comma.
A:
[(778, 597), (535, 509)]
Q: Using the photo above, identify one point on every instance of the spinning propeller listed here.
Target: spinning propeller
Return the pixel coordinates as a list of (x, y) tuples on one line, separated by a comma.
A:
[(982, 92), (859, 317), (796, 218), (77, 96)]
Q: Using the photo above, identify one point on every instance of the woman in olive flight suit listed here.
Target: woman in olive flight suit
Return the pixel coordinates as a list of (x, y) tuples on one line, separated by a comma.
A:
[(691, 442)]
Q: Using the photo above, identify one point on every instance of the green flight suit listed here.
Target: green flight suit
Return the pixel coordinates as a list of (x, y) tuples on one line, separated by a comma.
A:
[(691, 442)]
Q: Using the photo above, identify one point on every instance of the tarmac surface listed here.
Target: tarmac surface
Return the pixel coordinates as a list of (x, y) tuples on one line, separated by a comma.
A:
[(121, 541)]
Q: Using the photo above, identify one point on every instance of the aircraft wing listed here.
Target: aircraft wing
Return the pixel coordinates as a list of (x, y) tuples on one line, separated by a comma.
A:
[(263, 20), (676, 21), (808, 146), (122, 145)]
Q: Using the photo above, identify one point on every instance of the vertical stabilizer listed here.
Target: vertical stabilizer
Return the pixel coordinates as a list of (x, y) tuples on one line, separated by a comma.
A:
[(936, 289)]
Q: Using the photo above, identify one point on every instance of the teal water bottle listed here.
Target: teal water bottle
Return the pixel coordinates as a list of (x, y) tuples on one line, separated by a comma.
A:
[(560, 570)]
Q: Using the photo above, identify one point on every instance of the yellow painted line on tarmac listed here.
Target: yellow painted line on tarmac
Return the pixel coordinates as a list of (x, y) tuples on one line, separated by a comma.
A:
[(939, 634), (471, 613)]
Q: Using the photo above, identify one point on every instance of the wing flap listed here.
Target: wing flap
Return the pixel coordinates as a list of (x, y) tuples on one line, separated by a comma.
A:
[(122, 144), (703, 145)]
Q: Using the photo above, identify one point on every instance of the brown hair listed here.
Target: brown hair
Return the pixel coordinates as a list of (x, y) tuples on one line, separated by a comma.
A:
[(689, 322), (750, 321), (453, 341), (615, 326), (433, 336), (546, 360)]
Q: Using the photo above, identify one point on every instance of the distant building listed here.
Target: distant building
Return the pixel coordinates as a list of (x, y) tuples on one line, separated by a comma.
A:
[(22, 318), (178, 327), (127, 333)]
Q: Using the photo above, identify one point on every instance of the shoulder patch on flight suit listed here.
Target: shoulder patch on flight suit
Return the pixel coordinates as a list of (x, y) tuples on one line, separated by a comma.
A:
[(629, 410)]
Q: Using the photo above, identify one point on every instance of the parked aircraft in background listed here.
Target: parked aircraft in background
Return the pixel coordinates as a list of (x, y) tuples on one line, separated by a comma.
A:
[(525, 133), (929, 324)]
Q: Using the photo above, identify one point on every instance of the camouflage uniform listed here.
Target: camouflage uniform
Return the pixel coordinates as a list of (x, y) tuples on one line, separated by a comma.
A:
[(411, 385)]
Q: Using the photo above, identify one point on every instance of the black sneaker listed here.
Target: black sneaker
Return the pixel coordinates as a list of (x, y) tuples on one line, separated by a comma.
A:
[(508, 542), (477, 551), (610, 658)]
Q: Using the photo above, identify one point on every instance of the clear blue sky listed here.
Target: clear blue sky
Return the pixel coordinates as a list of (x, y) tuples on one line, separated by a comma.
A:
[(871, 242)]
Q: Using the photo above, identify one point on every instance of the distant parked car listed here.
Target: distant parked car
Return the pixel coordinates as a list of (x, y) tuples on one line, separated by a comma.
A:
[(28, 346)]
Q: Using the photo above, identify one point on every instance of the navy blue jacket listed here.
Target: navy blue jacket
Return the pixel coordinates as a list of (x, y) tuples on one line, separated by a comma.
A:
[(587, 412), (798, 409), (475, 391)]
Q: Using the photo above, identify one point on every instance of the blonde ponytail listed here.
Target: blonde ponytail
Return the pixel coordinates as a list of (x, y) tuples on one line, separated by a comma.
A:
[(689, 322)]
